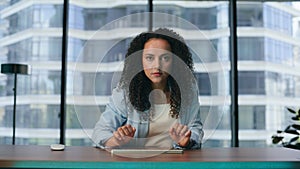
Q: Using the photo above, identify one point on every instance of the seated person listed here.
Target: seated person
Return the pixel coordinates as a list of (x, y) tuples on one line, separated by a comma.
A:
[(155, 103)]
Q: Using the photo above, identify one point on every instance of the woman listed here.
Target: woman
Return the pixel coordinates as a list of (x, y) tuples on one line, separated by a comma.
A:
[(156, 102)]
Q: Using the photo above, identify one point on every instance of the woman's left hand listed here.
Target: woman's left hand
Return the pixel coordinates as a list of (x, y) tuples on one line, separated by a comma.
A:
[(180, 134)]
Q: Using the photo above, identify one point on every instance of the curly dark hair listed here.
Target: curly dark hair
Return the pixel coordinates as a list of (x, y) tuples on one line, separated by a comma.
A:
[(137, 84)]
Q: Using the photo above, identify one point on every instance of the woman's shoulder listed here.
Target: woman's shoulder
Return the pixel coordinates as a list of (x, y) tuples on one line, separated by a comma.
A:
[(118, 90), (118, 94), (117, 100)]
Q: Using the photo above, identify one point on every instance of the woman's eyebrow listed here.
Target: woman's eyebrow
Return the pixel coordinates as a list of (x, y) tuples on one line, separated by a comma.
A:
[(148, 54), (163, 54), (166, 54)]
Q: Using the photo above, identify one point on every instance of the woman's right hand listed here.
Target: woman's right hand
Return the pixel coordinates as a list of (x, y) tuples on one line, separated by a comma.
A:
[(122, 136)]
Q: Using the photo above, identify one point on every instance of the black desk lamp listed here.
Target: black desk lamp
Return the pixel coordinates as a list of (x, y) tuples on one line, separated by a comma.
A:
[(12, 68)]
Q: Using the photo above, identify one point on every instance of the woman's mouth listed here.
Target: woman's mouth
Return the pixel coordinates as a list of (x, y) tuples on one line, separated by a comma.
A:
[(157, 74)]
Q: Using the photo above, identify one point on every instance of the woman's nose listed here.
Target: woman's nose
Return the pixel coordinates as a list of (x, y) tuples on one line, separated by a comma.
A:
[(157, 63)]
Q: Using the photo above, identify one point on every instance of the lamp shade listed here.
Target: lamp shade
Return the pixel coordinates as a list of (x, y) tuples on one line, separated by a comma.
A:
[(9, 68)]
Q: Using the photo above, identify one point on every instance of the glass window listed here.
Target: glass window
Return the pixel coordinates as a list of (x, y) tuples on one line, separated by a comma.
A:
[(252, 83), (251, 48), (205, 50), (250, 14), (277, 19), (279, 51), (252, 117), (25, 40), (203, 18), (271, 49), (204, 85)]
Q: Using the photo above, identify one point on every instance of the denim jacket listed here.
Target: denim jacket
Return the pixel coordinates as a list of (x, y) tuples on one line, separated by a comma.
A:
[(119, 113)]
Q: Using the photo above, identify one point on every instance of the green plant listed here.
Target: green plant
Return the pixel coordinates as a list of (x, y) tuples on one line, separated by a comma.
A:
[(292, 129)]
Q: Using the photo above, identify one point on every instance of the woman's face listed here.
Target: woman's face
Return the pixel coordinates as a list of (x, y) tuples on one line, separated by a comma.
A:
[(157, 61)]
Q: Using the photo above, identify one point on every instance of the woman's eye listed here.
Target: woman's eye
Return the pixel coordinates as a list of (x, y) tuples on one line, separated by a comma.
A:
[(166, 58), (149, 58)]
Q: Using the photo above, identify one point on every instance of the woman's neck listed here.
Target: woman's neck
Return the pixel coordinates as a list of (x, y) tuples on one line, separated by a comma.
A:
[(160, 86), (158, 96)]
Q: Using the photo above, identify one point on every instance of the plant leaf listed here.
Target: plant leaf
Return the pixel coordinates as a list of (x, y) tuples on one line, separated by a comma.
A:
[(293, 139), (276, 139), (296, 126), (298, 112), (296, 118), (287, 128), (291, 110), (292, 146), (290, 131)]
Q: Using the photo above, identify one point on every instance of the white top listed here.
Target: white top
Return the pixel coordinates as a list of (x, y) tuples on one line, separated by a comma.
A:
[(158, 135)]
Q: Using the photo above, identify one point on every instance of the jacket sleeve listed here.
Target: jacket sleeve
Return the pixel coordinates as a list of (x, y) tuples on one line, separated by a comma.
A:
[(196, 127), (193, 121), (113, 117)]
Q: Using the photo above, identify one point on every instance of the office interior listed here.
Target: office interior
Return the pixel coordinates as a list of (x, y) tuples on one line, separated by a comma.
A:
[(246, 58)]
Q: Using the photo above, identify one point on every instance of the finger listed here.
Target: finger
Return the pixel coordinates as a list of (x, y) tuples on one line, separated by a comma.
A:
[(129, 128), (179, 128), (117, 135), (183, 130), (188, 133), (126, 131), (121, 132), (173, 129), (133, 131)]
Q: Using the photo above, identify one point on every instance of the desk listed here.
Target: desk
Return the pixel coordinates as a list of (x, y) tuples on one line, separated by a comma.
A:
[(20, 156)]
